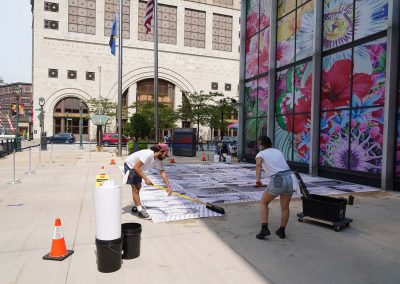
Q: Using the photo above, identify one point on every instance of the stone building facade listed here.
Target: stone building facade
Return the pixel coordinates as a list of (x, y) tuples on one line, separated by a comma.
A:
[(198, 51)]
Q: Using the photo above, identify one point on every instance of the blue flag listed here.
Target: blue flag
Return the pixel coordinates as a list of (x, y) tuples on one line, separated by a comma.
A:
[(113, 35)]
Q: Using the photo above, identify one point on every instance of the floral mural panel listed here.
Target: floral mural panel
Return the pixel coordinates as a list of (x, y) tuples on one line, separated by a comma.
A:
[(252, 17), (303, 88), (285, 7), (301, 2), (265, 11), (338, 23), (371, 17), (284, 91), (366, 134), (301, 137), (336, 80), (283, 134), (252, 57), (263, 54), (250, 98), (263, 96), (334, 139), (305, 31), (251, 137), (286, 40), (261, 126), (369, 74)]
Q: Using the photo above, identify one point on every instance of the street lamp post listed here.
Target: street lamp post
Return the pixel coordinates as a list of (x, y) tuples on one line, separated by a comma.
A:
[(43, 140), (17, 94), (80, 124), (223, 101)]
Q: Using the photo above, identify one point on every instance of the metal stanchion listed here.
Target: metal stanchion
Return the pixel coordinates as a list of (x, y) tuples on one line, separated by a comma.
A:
[(51, 153), (90, 150), (30, 162), (40, 152), (14, 181)]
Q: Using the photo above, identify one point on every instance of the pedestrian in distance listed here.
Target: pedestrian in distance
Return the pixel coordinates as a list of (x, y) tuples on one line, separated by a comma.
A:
[(273, 162), (137, 164), (200, 141)]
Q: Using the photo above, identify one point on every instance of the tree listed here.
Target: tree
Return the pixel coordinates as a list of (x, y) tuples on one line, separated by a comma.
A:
[(197, 107), (221, 109), (138, 126)]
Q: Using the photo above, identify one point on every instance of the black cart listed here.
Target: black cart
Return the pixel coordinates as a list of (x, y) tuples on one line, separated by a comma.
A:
[(325, 209)]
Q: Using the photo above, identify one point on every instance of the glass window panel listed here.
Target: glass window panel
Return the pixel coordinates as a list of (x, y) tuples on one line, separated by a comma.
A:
[(250, 98), (371, 17), (305, 31), (263, 96), (300, 2), (252, 18), (252, 57), (251, 137), (338, 23), (334, 139), (283, 136), (261, 126), (264, 51), (369, 74), (336, 77), (366, 140), (265, 10), (301, 138), (303, 87), (285, 6), (284, 92), (398, 144), (285, 40)]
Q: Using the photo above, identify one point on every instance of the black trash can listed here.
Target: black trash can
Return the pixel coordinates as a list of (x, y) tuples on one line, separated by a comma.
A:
[(109, 255), (131, 235)]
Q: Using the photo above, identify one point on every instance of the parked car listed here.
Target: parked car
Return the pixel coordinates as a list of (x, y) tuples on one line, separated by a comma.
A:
[(112, 139), (66, 138)]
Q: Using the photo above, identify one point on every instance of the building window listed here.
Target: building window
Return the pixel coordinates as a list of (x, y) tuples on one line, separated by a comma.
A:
[(90, 76), (111, 7), (82, 16), (145, 91), (50, 6), (222, 32), (53, 25), (53, 73), (72, 74), (228, 87), (166, 24), (195, 28), (214, 86)]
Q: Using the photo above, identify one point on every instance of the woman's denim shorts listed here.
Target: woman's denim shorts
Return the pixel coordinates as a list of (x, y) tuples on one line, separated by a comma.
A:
[(280, 183)]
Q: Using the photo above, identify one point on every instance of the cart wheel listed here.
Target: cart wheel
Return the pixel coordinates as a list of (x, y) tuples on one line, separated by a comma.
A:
[(300, 219), (337, 228), (348, 224)]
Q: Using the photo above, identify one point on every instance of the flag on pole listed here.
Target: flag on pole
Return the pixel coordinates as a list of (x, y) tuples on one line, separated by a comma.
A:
[(149, 15), (113, 35)]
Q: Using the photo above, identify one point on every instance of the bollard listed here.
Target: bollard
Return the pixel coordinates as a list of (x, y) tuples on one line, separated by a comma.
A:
[(30, 172), (40, 153), (51, 153), (90, 150), (14, 181)]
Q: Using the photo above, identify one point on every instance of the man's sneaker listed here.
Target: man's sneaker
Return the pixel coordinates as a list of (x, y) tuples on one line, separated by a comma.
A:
[(134, 210), (263, 233), (281, 233), (143, 214)]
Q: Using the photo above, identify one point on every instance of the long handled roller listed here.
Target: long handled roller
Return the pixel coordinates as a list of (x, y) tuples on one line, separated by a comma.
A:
[(209, 206)]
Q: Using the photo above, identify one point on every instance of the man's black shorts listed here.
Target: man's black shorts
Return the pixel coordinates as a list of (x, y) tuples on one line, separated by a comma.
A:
[(133, 178)]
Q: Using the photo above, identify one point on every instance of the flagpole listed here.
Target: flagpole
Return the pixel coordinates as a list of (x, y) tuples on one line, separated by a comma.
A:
[(156, 70), (119, 112)]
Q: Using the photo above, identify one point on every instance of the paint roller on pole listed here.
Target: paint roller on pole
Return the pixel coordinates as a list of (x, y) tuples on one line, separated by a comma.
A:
[(209, 206)]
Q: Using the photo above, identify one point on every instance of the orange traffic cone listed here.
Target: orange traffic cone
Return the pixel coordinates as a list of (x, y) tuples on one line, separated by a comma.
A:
[(112, 162), (58, 249), (172, 161), (203, 157)]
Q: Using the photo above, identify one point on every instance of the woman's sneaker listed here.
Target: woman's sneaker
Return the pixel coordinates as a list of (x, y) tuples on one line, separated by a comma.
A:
[(134, 210), (263, 233), (143, 214)]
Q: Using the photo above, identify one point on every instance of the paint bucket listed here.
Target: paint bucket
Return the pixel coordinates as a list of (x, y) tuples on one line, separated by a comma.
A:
[(131, 236), (216, 158), (351, 200), (228, 159), (109, 255)]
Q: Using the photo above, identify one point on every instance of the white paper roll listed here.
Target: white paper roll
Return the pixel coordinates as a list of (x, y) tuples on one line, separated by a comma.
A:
[(107, 211)]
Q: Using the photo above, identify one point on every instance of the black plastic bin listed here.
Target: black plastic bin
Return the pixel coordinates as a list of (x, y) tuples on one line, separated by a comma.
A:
[(131, 235), (109, 255), (324, 207)]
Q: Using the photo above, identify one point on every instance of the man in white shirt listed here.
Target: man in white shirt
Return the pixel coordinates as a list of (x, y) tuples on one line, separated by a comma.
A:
[(139, 162), (273, 162)]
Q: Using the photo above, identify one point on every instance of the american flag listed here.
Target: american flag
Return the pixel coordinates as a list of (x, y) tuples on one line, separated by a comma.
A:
[(149, 15)]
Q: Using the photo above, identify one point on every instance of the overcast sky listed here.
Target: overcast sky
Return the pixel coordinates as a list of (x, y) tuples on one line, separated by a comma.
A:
[(16, 41)]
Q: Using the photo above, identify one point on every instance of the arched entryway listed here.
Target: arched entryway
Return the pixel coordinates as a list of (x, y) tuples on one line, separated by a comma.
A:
[(66, 117), (145, 91)]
